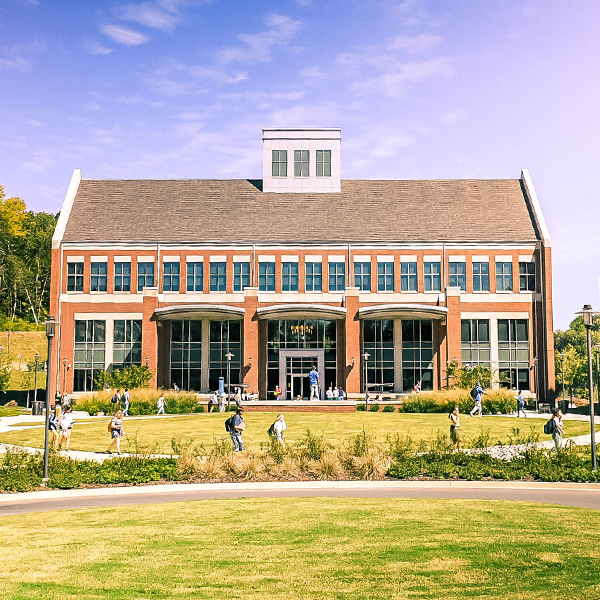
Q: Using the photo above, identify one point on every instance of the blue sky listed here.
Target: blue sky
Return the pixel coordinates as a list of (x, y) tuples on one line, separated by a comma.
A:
[(421, 89)]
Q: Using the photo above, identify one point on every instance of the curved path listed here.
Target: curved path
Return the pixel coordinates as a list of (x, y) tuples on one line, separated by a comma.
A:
[(566, 494)]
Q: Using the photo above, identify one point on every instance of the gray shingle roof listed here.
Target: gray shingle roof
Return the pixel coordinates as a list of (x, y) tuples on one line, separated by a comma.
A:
[(236, 210)]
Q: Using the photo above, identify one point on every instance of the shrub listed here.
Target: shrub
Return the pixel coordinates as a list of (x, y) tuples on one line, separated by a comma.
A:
[(389, 408), (142, 402), (311, 446), (374, 408), (132, 377), (328, 467), (361, 407)]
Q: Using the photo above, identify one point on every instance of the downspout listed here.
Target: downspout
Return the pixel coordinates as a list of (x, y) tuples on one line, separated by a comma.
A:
[(253, 265)]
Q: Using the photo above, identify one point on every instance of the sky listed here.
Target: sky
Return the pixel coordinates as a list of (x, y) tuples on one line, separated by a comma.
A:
[(422, 89)]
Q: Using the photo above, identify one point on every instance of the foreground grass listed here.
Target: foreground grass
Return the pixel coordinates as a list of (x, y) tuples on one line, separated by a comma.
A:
[(157, 433), (305, 548)]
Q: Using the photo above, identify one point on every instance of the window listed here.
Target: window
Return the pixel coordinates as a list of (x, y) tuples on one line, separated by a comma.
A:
[(362, 276), (314, 277), (145, 275), (337, 276), (218, 277), (300, 163), (475, 342), (504, 280), (408, 276), (378, 342), (127, 348), (241, 276), (186, 354), (417, 354), (458, 275), (88, 354), (171, 276), (527, 276), (122, 277), (98, 277), (323, 163), (279, 163), (289, 276), (385, 276), (513, 353), (75, 277), (481, 277), (225, 337), (195, 277), (432, 281), (266, 276)]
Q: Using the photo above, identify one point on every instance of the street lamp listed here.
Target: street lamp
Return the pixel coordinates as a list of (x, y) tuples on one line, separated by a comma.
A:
[(1, 348), (228, 356), (365, 358), (20, 357), (597, 348), (588, 319), (562, 371), (37, 360), (50, 333), (64, 375)]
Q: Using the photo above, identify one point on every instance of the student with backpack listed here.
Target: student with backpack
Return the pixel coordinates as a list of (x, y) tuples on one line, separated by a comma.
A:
[(115, 428), (554, 427), (235, 426), (476, 394), (276, 430)]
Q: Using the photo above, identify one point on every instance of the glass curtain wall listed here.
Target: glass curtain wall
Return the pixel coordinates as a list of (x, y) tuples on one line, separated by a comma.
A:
[(127, 348), (475, 343), (186, 354), (378, 341), (417, 354), (88, 353), (225, 337), (513, 353)]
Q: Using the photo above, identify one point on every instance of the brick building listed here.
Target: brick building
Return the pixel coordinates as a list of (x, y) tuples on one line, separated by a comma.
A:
[(302, 268)]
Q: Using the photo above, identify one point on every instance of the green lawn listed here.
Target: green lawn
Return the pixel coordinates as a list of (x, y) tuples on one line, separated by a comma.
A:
[(313, 548), (157, 432), (25, 343)]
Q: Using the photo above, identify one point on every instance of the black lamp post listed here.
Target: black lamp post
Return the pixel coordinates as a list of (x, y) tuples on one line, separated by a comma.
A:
[(365, 358), (228, 356), (37, 360), (588, 319), (597, 348), (50, 333), (1, 348), (562, 372)]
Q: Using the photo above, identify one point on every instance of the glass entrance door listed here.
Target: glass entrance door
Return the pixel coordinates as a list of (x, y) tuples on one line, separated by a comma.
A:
[(297, 370)]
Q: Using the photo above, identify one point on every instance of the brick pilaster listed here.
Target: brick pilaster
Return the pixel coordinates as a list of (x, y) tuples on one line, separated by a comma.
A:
[(352, 375), (251, 362), (453, 325), (149, 333)]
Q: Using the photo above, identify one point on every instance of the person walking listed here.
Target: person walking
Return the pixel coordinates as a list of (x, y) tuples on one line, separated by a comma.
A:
[(476, 394), (313, 379), (161, 405), (125, 398), (116, 431), (116, 400), (66, 426), (54, 425), (221, 401), (279, 427), (237, 429), (342, 394), (557, 434), (212, 400), (277, 392), (520, 404), (329, 393), (455, 427)]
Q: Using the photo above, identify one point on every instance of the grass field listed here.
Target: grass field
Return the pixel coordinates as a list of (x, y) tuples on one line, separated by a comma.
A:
[(310, 548), (157, 433), (25, 343)]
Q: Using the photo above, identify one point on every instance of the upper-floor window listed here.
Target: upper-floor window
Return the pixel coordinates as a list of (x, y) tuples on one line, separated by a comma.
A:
[(385, 276), (218, 276), (122, 277), (171, 276), (75, 277), (481, 276), (527, 276), (127, 343), (458, 275), (195, 277), (145, 275), (504, 278), (279, 163), (408, 277), (98, 277), (314, 277), (266, 276), (337, 276), (241, 276), (300, 163), (323, 163), (432, 281), (362, 276), (289, 277)]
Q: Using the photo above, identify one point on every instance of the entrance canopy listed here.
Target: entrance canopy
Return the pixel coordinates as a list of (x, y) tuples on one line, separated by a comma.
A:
[(301, 311), (198, 311), (403, 311)]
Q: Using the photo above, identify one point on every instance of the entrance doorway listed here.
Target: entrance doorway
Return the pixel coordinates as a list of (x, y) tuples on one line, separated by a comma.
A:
[(294, 367)]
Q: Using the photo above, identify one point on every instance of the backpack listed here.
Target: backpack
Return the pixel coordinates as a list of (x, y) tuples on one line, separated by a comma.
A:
[(114, 399), (550, 426), (474, 393), (110, 426), (271, 431), (229, 425)]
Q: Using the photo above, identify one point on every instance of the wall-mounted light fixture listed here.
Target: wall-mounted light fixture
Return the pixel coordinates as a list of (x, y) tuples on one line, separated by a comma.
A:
[(250, 360), (353, 361)]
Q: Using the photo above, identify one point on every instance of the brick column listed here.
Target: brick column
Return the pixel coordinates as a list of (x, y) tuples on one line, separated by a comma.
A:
[(149, 333), (453, 324), (352, 374), (251, 348)]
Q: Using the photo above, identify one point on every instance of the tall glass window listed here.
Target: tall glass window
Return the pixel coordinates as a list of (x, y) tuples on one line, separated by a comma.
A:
[(432, 281), (218, 276), (527, 276), (378, 341), (241, 276), (481, 276), (314, 277), (195, 277), (300, 163), (362, 276), (75, 277), (122, 277), (145, 275), (88, 353), (279, 163), (323, 163), (289, 276), (513, 353), (266, 276), (385, 276), (475, 342), (417, 354), (504, 278), (171, 276), (225, 337), (408, 277), (186, 354), (98, 279), (127, 348), (458, 275), (337, 277)]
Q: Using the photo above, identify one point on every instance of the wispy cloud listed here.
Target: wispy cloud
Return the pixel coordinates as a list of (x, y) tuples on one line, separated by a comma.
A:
[(124, 35), (150, 14), (17, 57), (312, 74), (18, 63), (97, 49), (415, 44), (39, 162)]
